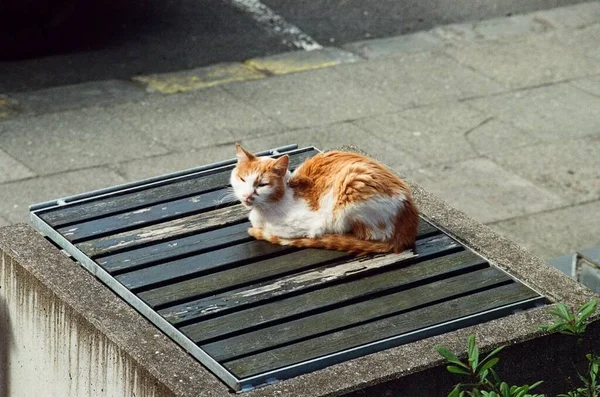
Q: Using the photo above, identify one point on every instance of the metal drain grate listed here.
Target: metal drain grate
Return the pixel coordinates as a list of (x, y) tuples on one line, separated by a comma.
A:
[(253, 312)]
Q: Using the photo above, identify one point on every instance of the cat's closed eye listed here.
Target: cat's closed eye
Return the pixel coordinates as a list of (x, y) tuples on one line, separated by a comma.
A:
[(262, 184), (242, 179)]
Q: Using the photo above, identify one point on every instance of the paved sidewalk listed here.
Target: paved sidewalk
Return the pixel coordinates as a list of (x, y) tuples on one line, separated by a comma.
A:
[(500, 118)]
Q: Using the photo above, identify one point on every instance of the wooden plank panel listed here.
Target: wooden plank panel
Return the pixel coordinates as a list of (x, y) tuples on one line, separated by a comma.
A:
[(161, 252), (217, 282), (239, 298), (162, 231), (333, 295), (202, 263), (185, 187), (138, 218), (350, 315), (189, 289), (380, 329)]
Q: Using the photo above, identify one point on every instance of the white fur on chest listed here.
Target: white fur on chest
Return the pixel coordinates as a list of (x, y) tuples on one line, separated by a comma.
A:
[(292, 217)]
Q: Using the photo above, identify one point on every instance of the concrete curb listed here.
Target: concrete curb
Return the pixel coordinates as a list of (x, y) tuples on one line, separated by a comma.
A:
[(106, 92)]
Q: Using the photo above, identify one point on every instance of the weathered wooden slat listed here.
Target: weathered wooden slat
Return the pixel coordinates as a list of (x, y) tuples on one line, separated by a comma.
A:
[(189, 289), (377, 330), (349, 315), (202, 263), (153, 214), (217, 282), (166, 230), (322, 299), (161, 252), (193, 185), (312, 279)]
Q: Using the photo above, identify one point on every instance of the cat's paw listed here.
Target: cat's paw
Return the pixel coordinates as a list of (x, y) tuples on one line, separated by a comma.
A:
[(256, 232)]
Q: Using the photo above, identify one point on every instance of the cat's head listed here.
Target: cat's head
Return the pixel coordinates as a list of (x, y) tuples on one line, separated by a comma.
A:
[(258, 181)]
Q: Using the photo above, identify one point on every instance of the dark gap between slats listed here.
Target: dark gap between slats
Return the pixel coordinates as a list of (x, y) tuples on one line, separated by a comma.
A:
[(348, 302), (58, 225), (325, 284), (202, 174), (248, 283), (361, 323), (397, 269), (339, 259), (270, 311), (191, 252), (175, 237), (330, 262), (229, 265), (140, 225), (476, 310)]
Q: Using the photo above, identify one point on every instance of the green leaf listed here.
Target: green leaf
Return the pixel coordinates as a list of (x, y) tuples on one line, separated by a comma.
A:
[(455, 392), (448, 355), (473, 352), (561, 311), (587, 310), (536, 384), (457, 370), (486, 366), (492, 354)]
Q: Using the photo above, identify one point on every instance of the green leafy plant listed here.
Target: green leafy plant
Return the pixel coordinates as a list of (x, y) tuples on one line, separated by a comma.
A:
[(484, 381), (570, 323), (591, 387)]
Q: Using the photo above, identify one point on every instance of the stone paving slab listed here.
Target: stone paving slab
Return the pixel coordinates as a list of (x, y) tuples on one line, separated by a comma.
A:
[(70, 97), (553, 233), (66, 141), (4, 222), (159, 165), (395, 46), (311, 99), (336, 135), (419, 79), (492, 29), (529, 61), (432, 134), (552, 112), (575, 16), (591, 85), (497, 136), (570, 169), (11, 169), (585, 41), (194, 120), (486, 191), (17, 196)]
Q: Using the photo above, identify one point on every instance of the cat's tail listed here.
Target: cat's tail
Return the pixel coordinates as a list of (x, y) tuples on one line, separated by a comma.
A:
[(338, 242)]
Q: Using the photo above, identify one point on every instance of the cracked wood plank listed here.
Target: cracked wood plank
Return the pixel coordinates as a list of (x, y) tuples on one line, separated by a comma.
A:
[(321, 299), (253, 294), (193, 288), (445, 316), (352, 314), (166, 230)]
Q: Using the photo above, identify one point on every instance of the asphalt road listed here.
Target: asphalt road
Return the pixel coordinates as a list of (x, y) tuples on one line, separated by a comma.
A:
[(71, 41)]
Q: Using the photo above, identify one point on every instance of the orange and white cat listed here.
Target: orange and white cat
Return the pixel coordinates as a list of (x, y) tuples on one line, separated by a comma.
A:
[(336, 200)]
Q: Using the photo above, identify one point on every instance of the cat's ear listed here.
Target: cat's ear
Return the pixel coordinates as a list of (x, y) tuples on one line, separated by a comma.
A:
[(281, 165), (242, 154)]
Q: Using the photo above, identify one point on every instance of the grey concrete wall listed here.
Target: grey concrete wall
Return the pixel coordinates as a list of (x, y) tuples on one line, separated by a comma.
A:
[(64, 334), (46, 349)]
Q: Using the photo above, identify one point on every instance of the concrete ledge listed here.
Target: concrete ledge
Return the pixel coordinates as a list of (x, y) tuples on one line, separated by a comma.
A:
[(77, 337), (64, 324)]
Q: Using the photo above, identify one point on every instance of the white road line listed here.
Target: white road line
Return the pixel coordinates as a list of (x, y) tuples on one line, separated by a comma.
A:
[(274, 22)]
